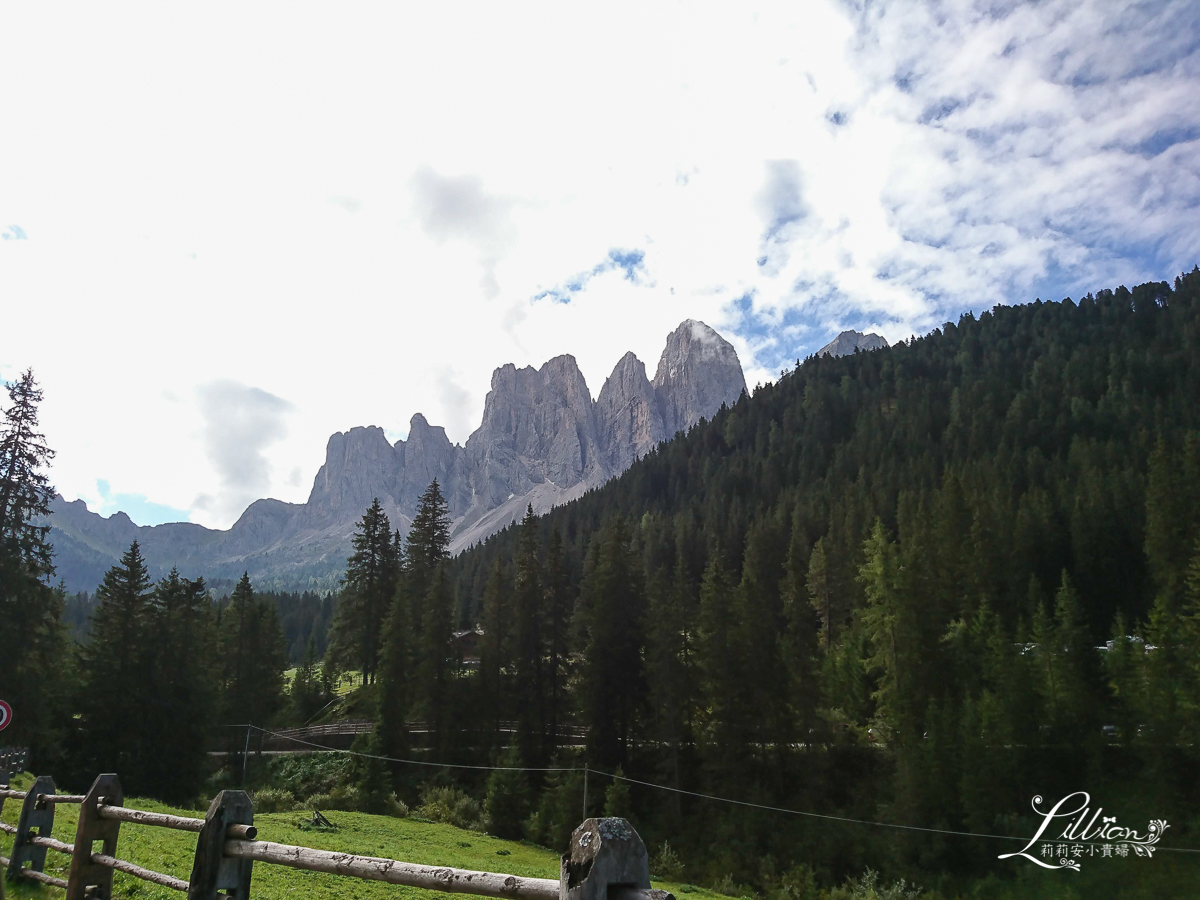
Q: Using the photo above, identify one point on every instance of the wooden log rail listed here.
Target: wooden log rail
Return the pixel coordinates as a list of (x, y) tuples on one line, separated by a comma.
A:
[(34, 875), (607, 860), (162, 820), (392, 871)]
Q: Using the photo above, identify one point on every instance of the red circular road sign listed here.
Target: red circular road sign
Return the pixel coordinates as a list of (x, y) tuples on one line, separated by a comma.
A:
[(5, 715)]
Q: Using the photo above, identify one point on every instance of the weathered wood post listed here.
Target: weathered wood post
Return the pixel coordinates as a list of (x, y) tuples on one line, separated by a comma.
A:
[(88, 879), (606, 856), (212, 870), (33, 815)]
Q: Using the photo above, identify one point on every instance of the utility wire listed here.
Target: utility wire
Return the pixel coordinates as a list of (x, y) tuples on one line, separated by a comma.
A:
[(413, 762), (662, 787)]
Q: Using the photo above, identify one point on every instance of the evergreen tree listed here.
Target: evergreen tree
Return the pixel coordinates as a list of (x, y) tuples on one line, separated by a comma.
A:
[(116, 675), (528, 647), (557, 608), (616, 797), (418, 637), (34, 668), (427, 546), (722, 664), (396, 669), (671, 671), (25, 490), (1080, 696), (434, 669), (179, 695), (252, 657), (307, 695), (494, 652), (821, 591), (886, 620), (372, 573), (507, 800), (612, 602)]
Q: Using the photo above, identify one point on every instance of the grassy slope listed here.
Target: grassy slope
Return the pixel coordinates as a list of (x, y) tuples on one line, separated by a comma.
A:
[(171, 852)]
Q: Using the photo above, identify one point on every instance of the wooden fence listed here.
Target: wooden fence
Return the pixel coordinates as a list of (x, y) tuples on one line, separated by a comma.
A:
[(606, 860)]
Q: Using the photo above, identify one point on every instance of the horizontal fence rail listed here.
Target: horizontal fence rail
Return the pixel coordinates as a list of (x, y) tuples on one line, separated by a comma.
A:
[(370, 868), (606, 861)]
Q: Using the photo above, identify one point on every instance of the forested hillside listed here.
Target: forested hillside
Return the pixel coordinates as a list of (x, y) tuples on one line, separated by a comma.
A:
[(923, 550)]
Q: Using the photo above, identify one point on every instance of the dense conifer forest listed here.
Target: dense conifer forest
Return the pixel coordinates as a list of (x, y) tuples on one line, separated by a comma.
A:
[(914, 586)]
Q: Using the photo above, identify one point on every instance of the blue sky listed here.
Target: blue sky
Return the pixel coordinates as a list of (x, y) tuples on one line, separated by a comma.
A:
[(362, 212)]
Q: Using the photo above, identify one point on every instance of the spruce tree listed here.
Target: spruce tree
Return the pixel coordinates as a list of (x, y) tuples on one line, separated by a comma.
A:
[(180, 694), (557, 609), (116, 675), (495, 648), (612, 603), (25, 490), (528, 647), (395, 670), (819, 585), (616, 796), (427, 545), (507, 800), (307, 695), (433, 670), (722, 661), (252, 657), (887, 623), (428, 617), (369, 586), (35, 670)]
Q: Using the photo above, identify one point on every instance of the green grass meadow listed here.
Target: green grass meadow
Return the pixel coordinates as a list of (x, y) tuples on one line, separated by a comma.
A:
[(424, 843)]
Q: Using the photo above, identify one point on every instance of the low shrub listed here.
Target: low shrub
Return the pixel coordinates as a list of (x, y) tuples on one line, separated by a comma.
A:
[(666, 864), (452, 807), (270, 800)]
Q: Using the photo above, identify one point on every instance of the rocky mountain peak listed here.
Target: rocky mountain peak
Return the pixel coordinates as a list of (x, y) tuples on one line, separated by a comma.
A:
[(698, 371), (628, 414), (849, 341)]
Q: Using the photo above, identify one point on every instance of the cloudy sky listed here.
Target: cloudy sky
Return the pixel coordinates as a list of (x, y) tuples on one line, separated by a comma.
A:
[(228, 230)]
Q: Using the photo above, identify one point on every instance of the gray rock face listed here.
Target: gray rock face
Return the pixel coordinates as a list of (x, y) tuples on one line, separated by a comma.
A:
[(629, 413), (699, 370), (543, 441), (849, 341)]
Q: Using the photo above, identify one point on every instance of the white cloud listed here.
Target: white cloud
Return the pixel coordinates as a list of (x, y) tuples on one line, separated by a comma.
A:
[(355, 208)]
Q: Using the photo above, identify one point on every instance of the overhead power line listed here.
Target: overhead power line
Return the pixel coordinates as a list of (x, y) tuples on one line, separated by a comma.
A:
[(663, 787)]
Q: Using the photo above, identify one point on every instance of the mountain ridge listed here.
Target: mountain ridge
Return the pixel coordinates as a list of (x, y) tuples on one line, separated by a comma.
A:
[(543, 441)]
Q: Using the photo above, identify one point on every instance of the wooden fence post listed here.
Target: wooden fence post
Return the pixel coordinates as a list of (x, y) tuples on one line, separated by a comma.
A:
[(33, 815), (87, 879), (605, 856), (212, 870)]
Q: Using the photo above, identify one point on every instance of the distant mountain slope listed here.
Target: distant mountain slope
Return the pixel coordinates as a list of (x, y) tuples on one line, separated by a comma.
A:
[(543, 441)]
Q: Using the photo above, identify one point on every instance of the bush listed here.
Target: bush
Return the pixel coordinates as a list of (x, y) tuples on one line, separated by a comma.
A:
[(346, 799), (450, 806), (667, 864), (798, 883), (558, 811), (269, 800), (507, 801), (867, 887), (616, 797), (316, 773)]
